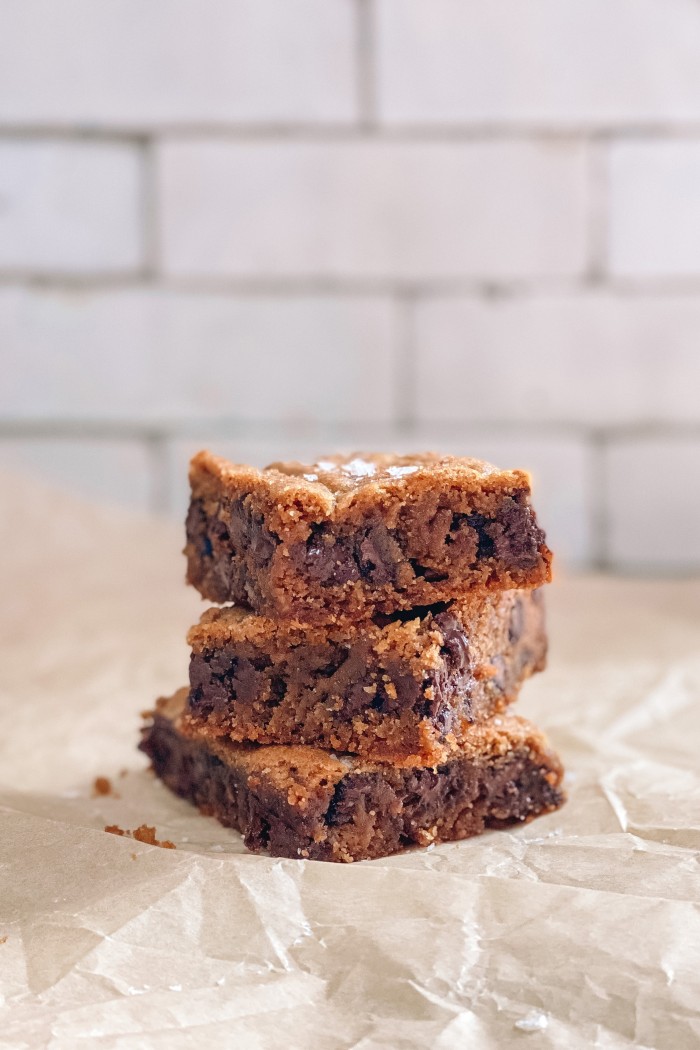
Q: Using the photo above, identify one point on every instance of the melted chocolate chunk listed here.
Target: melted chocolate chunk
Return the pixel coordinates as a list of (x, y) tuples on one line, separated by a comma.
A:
[(454, 679)]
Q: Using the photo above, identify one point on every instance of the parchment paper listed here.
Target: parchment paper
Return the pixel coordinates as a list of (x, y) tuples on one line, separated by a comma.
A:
[(580, 930)]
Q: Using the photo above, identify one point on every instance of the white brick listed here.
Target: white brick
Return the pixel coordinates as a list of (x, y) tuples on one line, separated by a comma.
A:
[(655, 208), (372, 209), (111, 472), (134, 64), (593, 358), (144, 353), (69, 207), (653, 503), (561, 468), (545, 61)]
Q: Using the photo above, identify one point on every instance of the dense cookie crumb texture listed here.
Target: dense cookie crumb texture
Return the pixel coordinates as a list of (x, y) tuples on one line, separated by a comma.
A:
[(305, 802), (406, 687), (144, 833), (347, 536)]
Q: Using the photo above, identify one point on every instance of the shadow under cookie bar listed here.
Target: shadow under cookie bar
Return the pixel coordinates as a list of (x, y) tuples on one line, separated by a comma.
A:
[(404, 688), (308, 803), (346, 537)]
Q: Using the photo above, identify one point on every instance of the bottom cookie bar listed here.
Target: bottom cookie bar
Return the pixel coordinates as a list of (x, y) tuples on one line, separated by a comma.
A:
[(301, 801)]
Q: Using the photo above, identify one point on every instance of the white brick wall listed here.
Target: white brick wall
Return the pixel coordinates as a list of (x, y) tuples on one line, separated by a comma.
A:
[(106, 470), (589, 357), (126, 63), (406, 211), (144, 354), (69, 207), (655, 209), (652, 496), (281, 227), (555, 62)]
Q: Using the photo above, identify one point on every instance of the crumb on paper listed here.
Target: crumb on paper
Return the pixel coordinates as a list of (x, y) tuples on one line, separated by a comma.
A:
[(102, 786), (534, 1021), (3, 940), (144, 833)]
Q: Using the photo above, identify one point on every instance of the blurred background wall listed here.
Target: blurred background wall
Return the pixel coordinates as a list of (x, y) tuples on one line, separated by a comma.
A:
[(282, 227)]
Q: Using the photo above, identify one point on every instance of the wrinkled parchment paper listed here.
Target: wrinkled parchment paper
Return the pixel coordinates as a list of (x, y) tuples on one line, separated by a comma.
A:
[(579, 930)]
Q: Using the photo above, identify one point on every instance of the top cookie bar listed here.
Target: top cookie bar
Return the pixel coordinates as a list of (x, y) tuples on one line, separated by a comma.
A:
[(351, 536)]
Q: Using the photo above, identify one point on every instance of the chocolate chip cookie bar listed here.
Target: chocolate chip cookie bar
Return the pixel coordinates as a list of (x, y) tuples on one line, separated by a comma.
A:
[(405, 687), (303, 802), (347, 537)]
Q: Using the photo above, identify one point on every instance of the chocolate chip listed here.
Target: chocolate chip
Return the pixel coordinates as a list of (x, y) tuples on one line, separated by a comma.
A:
[(455, 644), (328, 560), (378, 555), (426, 573), (278, 690), (485, 543), (516, 537)]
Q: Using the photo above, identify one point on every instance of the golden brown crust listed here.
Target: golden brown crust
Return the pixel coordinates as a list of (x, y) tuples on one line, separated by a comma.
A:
[(486, 740), (344, 537), (293, 493), (408, 687), (306, 803)]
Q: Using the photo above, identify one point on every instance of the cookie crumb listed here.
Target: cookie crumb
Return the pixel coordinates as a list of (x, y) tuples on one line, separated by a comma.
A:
[(114, 829), (3, 940), (101, 786), (146, 834), (143, 833)]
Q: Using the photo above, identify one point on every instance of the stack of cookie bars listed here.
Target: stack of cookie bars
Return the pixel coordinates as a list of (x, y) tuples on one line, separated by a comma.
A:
[(350, 702)]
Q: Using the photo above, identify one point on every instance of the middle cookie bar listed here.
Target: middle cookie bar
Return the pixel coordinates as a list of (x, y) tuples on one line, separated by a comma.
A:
[(403, 687)]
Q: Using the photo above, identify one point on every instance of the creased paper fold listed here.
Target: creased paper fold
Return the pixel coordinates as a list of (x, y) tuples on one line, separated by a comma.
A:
[(579, 930)]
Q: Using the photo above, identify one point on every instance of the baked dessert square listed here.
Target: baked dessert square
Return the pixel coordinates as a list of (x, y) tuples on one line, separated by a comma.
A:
[(404, 688), (346, 537), (307, 803)]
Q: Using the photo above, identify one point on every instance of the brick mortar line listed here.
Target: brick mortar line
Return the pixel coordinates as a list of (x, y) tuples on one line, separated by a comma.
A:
[(405, 373), (351, 130), (597, 504), (365, 65), (148, 213), (78, 430), (132, 136), (160, 496), (177, 429), (652, 570), (598, 211), (485, 289)]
